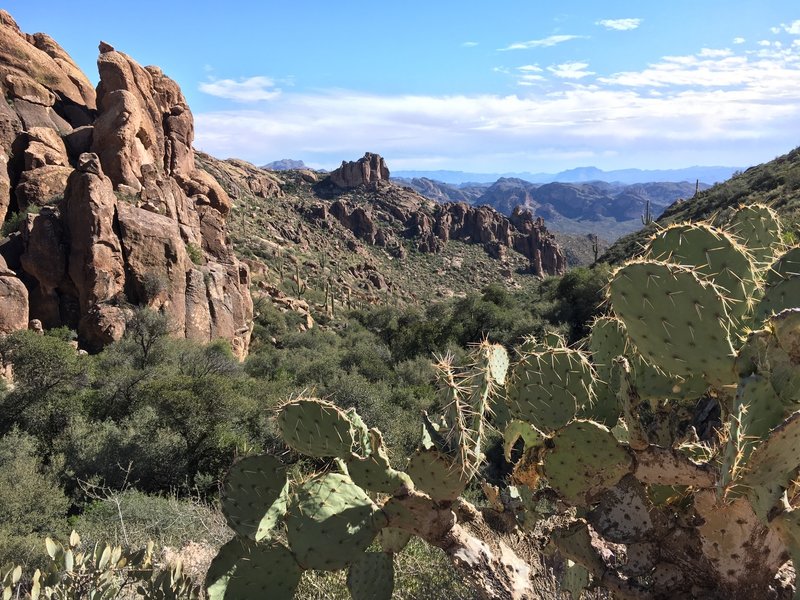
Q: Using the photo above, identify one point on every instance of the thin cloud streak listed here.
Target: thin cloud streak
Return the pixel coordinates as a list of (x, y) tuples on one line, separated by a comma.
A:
[(253, 89), (620, 24), (542, 43)]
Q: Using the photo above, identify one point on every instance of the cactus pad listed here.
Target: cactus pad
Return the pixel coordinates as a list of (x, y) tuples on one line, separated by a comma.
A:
[(548, 388), (496, 359), (244, 569), (676, 319), (772, 466), (393, 540), (623, 513), (786, 266), (780, 296), (331, 522), (254, 496), (437, 475), (516, 430), (713, 254), (371, 577), (584, 460), (374, 472), (757, 227), (574, 579), (319, 428)]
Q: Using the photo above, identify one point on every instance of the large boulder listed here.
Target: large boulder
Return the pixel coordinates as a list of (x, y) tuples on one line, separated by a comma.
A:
[(95, 265), (13, 301)]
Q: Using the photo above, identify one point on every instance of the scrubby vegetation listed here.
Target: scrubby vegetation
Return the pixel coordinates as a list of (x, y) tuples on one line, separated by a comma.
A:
[(131, 444)]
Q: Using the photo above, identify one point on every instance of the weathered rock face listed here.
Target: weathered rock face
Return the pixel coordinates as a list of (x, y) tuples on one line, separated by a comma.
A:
[(13, 301), (123, 204), (369, 169)]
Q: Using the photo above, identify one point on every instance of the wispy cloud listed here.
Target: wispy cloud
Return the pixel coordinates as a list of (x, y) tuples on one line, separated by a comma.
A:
[(739, 40), (252, 89), (570, 70), (619, 24), (469, 44), (689, 109), (542, 43), (715, 52)]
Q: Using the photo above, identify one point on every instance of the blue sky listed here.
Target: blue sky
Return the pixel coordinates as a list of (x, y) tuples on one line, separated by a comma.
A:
[(476, 86)]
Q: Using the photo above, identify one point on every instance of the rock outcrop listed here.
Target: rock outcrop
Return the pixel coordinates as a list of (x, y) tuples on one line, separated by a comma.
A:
[(125, 216), (394, 212), (369, 169)]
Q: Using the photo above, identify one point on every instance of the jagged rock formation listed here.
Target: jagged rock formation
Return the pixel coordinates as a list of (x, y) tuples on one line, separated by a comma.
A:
[(125, 217), (392, 212), (371, 168)]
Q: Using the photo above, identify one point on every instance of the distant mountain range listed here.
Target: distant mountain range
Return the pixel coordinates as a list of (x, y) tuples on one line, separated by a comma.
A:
[(708, 175), (609, 209)]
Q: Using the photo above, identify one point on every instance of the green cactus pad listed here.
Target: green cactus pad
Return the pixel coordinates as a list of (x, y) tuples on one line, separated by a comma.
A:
[(676, 319), (331, 522), (548, 388), (254, 496), (583, 460), (759, 229), (319, 428), (496, 360), (575, 579), (764, 409), (374, 472), (772, 465), (575, 543), (713, 254), (371, 577), (607, 341), (244, 569), (437, 475), (393, 540), (780, 296), (516, 430), (786, 266)]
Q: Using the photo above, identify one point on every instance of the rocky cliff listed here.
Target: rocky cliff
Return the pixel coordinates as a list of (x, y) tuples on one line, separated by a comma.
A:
[(387, 212), (106, 206)]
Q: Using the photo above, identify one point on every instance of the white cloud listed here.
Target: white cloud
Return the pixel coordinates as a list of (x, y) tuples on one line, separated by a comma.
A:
[(469, 44), (793, 27), (693, 109), (715, 53), (764, 43), (739, 40), (619, 24), (252, 89), (570, 70), (542, 43)]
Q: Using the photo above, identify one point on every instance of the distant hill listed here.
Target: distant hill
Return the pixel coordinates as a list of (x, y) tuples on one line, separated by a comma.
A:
[(708, 175), (285, 164), (776, 183), (607, 209)]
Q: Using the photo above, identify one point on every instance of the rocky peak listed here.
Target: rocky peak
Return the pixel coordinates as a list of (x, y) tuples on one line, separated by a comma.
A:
[(126, 216), (368, 169)]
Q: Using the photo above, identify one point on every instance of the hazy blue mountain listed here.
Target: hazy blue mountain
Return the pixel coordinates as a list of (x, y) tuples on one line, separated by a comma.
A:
[(285, 164), (708, 175)]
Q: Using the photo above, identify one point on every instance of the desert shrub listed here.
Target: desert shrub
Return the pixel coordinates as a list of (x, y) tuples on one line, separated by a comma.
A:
[(32, 505)]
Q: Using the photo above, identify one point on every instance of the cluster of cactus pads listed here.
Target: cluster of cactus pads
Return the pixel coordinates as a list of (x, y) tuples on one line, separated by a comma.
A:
[(616, 466)]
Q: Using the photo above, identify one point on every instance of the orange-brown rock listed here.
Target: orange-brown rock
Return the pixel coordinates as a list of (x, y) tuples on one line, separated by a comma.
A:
[(13, 301), (95, 263), (130, 212), (371, 168)]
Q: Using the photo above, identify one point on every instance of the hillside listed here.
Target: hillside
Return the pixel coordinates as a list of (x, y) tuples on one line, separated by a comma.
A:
[(776, 183)]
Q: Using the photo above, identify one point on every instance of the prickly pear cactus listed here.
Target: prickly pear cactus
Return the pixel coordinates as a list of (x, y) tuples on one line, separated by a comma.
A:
[(660, 460)]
